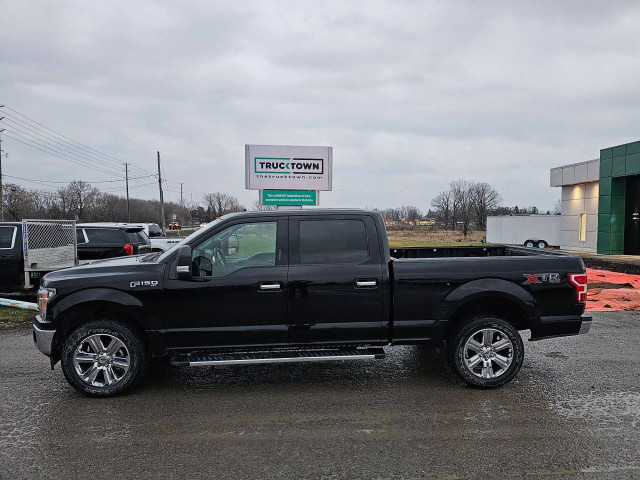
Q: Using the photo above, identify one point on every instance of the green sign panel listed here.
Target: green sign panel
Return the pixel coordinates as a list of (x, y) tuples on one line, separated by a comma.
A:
[(289, 197)]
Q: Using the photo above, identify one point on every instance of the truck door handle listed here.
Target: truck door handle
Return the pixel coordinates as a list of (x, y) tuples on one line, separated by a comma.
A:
[(366, 283), (270, 287)]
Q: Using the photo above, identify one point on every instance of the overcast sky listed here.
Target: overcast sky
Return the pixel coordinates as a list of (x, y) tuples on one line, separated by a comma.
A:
[(411, 95)]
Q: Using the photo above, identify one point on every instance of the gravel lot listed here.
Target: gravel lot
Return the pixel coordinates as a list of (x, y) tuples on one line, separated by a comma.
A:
[(573, 412)]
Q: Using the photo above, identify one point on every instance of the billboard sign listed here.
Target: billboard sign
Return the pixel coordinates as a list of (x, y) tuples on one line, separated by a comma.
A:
[(288, 197), (281, 167)]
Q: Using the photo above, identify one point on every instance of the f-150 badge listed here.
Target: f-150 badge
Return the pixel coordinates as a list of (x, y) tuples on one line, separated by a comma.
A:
[(541, 278), (144, 283)]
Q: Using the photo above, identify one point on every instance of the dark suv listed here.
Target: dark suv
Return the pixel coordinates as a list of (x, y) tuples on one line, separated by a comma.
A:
[(96, 241)]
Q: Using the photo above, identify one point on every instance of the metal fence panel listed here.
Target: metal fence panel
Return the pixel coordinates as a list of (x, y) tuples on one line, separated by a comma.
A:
[(49, 244)]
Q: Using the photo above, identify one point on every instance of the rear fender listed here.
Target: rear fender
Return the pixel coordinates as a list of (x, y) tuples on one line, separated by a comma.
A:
[(490, 287)]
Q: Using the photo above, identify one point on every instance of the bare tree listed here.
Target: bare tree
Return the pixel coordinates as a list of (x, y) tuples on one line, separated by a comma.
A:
[(442, 205), (484, 199), (557, 208), (221, 203), (462, 203), (82, 196), (18, 202), (465, 204)]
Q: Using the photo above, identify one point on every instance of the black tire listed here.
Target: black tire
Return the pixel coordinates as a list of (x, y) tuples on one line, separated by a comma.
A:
[(499, 328), (541, 244), (134, 349), (530, 243)]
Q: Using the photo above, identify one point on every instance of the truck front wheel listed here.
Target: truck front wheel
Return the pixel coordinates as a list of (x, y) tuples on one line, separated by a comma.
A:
[(103, 358), (487, 352)]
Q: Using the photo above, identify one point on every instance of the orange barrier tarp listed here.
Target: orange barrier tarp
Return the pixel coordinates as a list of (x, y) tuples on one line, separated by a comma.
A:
[(612, 291)]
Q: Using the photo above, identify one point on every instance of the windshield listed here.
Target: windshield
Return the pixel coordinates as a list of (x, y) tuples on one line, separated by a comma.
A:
[(188, 239)]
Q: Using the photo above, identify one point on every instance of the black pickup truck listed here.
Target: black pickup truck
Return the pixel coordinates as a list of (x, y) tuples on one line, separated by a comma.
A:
[(304, 285)]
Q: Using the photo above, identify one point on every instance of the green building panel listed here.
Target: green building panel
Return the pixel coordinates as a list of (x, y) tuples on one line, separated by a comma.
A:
[(618, 166), (633, 164), (616, 163)]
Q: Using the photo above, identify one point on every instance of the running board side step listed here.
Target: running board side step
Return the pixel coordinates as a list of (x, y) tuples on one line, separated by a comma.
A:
[(203, 359)]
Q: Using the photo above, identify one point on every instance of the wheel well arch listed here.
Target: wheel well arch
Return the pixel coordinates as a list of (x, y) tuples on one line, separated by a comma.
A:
[(86, 312), (504, 307)]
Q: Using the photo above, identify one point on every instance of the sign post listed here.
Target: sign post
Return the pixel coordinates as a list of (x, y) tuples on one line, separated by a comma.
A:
[(288, 175)]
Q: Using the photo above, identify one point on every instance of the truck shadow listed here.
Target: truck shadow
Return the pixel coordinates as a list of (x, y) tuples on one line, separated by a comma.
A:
[(408, 364)]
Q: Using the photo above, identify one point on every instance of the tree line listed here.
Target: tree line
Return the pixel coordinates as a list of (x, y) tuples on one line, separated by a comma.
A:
[(83, 202), (464, 206)]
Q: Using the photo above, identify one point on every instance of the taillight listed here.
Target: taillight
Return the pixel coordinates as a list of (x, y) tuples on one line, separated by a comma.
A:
[(128, 249), (579, 281)]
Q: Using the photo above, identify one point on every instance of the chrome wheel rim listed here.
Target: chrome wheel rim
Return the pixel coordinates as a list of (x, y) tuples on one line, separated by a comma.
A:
[(101, 360), (488, 353), (541, 244)]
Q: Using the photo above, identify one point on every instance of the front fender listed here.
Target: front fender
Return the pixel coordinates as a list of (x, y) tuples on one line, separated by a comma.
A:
[(490, 287), (93, 295)]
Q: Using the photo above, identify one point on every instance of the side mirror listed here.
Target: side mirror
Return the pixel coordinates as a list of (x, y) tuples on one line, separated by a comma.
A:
[(183, 265)]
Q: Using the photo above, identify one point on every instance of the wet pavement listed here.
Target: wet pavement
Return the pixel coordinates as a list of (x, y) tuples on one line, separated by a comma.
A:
[(572, 412)]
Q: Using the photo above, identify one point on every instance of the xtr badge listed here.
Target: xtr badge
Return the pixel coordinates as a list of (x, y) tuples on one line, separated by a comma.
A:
[(541, 278)]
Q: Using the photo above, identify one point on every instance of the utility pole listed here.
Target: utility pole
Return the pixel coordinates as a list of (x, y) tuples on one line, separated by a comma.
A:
[(126, 176), (1, 197), (181, 195), (161, 196)]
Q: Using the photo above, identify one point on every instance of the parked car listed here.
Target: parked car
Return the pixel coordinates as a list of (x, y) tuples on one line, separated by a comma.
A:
[(153, 230), (97, 241), (306, 285), (32, 248), (162, 244)]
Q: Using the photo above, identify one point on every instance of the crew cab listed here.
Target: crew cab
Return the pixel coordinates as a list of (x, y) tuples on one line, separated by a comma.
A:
[(304, 285)]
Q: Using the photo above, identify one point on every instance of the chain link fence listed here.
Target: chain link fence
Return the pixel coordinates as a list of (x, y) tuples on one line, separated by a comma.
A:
[(49, 244)]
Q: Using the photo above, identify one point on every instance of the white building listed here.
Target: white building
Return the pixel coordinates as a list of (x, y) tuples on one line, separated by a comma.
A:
[(580, 191)]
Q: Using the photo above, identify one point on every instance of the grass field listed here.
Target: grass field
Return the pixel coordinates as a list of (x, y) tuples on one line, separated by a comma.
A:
[(12, 316)]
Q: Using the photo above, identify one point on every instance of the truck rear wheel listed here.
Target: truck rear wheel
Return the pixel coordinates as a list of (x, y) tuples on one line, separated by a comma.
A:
[(103, 358), (487, 352)]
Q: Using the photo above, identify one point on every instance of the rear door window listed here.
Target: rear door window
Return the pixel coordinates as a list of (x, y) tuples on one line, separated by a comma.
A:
[(80, 236), (105, 235), (7, 237), (333, 241), (142, 238)]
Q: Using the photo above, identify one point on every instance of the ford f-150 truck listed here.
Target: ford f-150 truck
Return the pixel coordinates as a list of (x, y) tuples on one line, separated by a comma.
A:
[(304, 285)]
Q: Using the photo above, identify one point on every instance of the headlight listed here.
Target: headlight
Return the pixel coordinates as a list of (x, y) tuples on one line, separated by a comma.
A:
[(44, 296)]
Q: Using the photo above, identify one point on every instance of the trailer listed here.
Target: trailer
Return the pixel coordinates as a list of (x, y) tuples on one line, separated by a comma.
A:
[(47, 245), (539, 231)]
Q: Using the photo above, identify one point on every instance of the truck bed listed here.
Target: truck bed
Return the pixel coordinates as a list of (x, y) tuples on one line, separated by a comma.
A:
[(448, 252)]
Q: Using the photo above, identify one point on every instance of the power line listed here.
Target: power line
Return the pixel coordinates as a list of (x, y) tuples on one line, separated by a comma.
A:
[(59, 149), (64, 157), (84, 147), (40, 137), (48, 138), (69, 181)]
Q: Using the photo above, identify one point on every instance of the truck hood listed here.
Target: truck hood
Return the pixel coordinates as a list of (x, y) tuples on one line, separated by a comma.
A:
[(99, 268)]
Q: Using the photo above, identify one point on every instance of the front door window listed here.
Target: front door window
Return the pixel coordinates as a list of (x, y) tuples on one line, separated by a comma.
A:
[(236, 247)]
